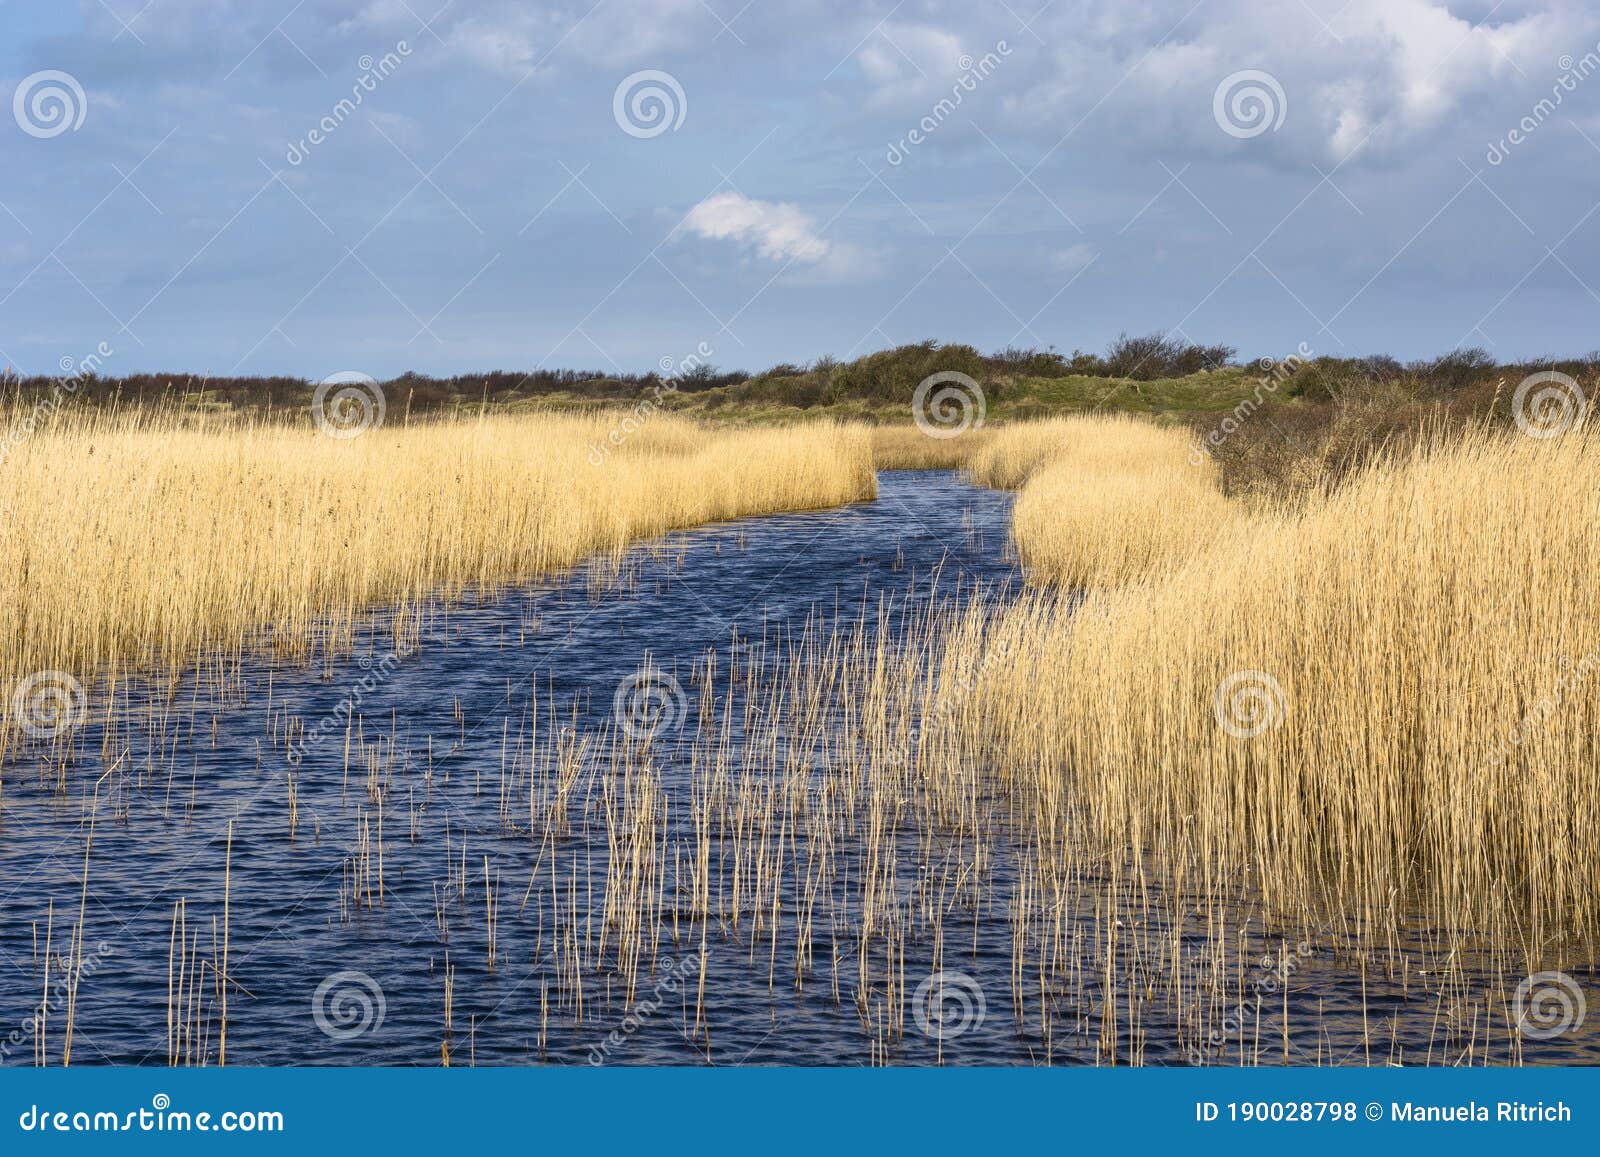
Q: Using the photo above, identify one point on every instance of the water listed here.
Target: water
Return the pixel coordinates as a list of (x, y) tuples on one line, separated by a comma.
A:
[(328, 969), (160, 836)]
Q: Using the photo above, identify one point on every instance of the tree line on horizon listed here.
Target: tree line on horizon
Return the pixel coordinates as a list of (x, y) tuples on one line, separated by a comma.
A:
[(885, 376)]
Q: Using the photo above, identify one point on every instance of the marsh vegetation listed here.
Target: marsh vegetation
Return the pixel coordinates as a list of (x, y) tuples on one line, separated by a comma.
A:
[(1274, 759)]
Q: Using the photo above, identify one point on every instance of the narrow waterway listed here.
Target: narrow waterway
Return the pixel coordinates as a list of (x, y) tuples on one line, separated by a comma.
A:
[(457, 849), (313, 966)]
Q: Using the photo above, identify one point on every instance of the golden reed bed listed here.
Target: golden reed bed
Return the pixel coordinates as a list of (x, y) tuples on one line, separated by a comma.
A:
[(1381, 703), (139, 539)]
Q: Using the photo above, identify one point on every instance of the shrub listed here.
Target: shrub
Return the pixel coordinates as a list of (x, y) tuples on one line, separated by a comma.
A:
[(1158, 356)]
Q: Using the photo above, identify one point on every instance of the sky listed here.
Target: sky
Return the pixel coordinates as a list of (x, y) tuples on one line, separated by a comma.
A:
[(308, 187)]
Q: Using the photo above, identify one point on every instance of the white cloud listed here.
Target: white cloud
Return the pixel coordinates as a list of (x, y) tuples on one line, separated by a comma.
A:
[(506, 44), (775, 230), (909, 66), (1379, 79), (513, 36), (908, 53), (1074, 257), (783, 234)]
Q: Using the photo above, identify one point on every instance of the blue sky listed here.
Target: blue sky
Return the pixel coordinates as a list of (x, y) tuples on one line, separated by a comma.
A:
[(496, 199)]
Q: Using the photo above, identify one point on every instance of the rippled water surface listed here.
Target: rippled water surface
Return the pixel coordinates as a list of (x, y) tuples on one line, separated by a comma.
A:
[(346, 940), (162, 835)]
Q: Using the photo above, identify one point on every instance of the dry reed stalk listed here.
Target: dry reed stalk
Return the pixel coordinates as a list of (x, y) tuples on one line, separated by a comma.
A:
[(911, 448), (265, 527), (1338, 698)]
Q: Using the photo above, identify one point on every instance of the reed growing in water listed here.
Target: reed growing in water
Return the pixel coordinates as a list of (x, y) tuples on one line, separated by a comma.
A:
[(1382, 702), (140, 539), (1104, 500), (1214, 745), (909, 448)]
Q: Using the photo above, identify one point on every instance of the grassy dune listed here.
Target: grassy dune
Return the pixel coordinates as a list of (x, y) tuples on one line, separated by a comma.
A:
[(132, 538)]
